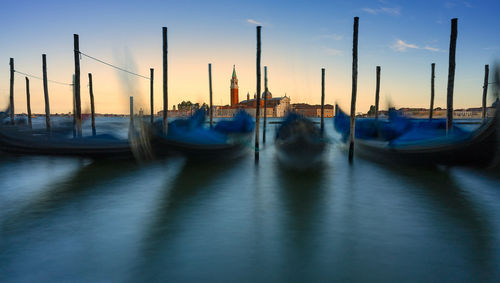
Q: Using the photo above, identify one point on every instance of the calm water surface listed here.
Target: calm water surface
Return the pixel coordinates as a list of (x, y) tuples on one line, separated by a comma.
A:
[(65, 219)]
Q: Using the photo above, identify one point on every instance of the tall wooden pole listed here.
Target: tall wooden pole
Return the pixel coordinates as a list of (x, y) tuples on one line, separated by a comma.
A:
[(151, 83), (78, 103), (210, 91), (165, 81), (92, 109), (322, 100), (451, 75), (257, 109), (265, 106), (11, 96), (485, 89), (46, 92), (354, 86), (131, 111), (431, 109), (74, 108), (28, 101), (377, 92)]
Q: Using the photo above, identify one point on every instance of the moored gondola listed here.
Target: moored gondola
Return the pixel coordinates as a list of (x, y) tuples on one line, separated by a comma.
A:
[(189, 137), (404, 141), (299, 143), (59, 142)]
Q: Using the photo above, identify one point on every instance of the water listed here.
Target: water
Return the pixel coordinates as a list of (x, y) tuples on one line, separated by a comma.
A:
[(65, 219)]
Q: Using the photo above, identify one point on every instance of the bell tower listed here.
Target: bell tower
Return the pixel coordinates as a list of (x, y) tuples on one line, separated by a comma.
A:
[(234, 88)]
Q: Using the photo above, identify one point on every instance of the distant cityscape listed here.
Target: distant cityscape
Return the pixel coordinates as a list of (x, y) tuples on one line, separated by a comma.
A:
[(277, 107)]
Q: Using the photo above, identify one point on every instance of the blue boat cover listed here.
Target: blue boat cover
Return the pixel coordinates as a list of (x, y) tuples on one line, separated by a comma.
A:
[(241, 123), (192, 131), (370, 128), (399, 130)]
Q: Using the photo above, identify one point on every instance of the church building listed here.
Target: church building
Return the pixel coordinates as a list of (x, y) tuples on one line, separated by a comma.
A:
[(275, 106)]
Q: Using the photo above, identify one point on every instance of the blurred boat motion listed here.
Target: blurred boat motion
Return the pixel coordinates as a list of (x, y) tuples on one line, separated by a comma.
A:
[(299, 142), (189, 137), (422, 141)]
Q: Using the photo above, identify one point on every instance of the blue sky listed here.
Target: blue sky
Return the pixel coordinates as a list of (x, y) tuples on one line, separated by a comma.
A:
[(298, 37)]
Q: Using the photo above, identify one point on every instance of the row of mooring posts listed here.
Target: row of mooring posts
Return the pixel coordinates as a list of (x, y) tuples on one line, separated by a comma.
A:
[(450, 86), (451, 79), (77, 115), (77, 98), (28, 96)]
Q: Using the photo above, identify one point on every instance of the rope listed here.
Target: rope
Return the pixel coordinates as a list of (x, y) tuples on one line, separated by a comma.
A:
[(39, 78), (113, 66)]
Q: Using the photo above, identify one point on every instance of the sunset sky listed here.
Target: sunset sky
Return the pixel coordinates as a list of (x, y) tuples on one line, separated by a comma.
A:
[(298, 39)]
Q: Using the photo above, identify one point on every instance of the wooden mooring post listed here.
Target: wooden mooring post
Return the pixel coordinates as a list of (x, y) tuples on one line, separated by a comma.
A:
[(151, 90), (131, 111), (433, 76), (211, 111), (265, 106), (46, 92), (11, 92), (322, 101), (28, 101), (165, 80), (451, 76), (74, 107), (377, 92), (257, 109), (485, 90), (78, 103), (354, 86), (92, 109)]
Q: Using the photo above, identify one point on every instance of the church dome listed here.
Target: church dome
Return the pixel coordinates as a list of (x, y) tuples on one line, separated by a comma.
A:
[(267, 94)]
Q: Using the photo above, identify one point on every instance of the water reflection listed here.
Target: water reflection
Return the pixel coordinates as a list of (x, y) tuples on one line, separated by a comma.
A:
[(465, 224), (303, 196), (59, 193), (175, 212)]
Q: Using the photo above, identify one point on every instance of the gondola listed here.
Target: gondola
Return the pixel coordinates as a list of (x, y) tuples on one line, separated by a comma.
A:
[(191, 138), (299, 143), (22, 140), (401, 140)]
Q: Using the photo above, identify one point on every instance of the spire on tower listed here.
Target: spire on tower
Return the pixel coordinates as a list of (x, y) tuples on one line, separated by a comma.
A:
[(234, 88)]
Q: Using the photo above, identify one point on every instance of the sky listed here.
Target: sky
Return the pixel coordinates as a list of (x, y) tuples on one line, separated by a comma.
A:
[(298, 39)]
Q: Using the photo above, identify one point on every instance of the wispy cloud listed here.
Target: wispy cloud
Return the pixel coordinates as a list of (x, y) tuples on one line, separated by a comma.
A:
[(431, 48), (402, 46), (333, 36), (253, 22), (393, 11), (332, 51)]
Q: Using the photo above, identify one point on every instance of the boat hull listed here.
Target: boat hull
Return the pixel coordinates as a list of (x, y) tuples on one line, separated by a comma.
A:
[(18, 141), (300, 153), (480, 149)]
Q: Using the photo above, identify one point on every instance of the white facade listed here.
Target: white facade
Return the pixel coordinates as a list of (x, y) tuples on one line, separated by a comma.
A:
[(283, 107)]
